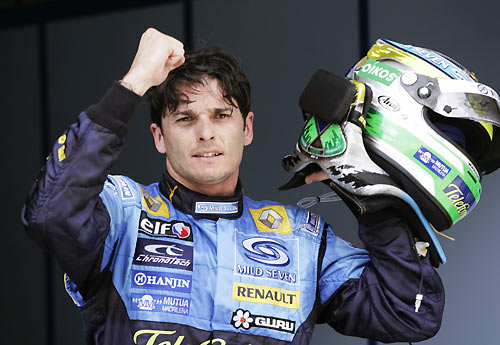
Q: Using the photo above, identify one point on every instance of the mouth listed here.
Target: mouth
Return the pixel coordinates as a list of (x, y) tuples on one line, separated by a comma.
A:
[(207, 154)]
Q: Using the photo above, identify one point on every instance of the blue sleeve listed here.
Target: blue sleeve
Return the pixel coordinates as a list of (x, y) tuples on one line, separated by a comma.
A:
[(341, 262), (64, 212), (374, 297)]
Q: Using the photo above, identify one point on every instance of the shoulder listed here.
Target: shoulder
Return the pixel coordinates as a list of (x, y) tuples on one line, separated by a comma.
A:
[(127, 192), (282, 218), (122, 188)]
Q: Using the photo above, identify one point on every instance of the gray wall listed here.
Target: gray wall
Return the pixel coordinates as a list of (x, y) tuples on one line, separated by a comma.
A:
[(280, 43)]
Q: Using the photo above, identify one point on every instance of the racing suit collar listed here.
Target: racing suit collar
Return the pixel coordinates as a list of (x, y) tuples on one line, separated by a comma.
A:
[(200, 205)]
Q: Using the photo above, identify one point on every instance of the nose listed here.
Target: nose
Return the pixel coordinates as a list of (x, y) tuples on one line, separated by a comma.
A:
[(205, 129)]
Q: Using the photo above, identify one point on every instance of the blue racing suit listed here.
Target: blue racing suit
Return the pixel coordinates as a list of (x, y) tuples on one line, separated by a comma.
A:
[(161, 264)]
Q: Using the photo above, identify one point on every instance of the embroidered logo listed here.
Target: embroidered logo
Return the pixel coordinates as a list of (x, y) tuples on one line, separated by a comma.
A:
[(272, 219), (160, 228)]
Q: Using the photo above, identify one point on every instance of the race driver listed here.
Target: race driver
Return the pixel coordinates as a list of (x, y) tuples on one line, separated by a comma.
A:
[(191, 260)]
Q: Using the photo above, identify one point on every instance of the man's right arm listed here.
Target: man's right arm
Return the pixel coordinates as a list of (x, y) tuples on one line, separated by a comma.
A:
[(63, 211)]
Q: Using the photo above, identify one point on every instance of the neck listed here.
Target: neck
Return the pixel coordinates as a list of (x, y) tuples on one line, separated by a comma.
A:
[(202, 205), (224, 188)]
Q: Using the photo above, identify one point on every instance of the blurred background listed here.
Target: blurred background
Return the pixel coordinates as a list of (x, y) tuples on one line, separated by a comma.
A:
[(57, 57)]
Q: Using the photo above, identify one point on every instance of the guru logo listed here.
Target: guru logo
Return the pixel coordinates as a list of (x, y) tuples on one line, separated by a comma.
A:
[(243, 318)]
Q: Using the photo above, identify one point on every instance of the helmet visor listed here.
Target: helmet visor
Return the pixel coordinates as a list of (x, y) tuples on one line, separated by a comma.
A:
[(459, 99), (468, 100)]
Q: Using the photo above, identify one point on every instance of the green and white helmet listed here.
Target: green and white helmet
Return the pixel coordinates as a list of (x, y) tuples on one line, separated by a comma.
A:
[(431, 126)]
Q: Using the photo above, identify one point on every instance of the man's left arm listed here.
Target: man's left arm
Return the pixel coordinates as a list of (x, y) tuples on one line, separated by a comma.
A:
[(380, 303)]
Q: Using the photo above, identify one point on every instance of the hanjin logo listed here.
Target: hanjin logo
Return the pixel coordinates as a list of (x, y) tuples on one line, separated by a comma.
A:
[(161, 281), (140, 279), (243, 318), (161, 228)]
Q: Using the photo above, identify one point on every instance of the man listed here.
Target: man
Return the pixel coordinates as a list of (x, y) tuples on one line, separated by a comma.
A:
[(190, 260)]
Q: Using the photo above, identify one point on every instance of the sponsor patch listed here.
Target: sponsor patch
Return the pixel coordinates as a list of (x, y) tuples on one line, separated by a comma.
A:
[(245, 319), (388, 103), (160, 303), (161, 228), (379, 71), (267, 258), (216, 207), (432, 162), (266, 250), (125, 189), (460, 196), (266, 294), (154, 206), (161, 281), (166, 337), (61, 152), (271, 219), (435, 59), (312, 224), (163, 254)]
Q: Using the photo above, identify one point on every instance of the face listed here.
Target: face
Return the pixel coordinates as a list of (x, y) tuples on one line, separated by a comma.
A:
[(204, 140)]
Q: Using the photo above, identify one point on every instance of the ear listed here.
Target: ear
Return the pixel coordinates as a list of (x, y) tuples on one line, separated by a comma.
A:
[(248, 129), (158, 137)]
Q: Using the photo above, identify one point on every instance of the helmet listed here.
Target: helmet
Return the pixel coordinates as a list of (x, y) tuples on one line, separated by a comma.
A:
[(431, 126)]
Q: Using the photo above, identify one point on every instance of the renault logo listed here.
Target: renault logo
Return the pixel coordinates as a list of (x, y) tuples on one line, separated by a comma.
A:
[(271, 218)]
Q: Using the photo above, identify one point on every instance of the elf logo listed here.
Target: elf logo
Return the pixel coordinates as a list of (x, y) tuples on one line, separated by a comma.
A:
[(379, 72), (161, 228)]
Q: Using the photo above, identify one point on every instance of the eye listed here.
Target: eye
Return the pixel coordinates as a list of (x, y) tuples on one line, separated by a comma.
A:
[(184, 119), (223, 115)]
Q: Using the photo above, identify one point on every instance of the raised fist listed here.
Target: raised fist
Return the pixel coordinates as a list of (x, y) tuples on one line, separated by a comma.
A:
[(156, 56)]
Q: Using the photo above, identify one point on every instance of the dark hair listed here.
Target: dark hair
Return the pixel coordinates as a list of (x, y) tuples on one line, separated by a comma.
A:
[(209, 62)]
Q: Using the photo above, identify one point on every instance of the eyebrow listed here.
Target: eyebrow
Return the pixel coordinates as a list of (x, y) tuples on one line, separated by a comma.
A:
[(212, 111)]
